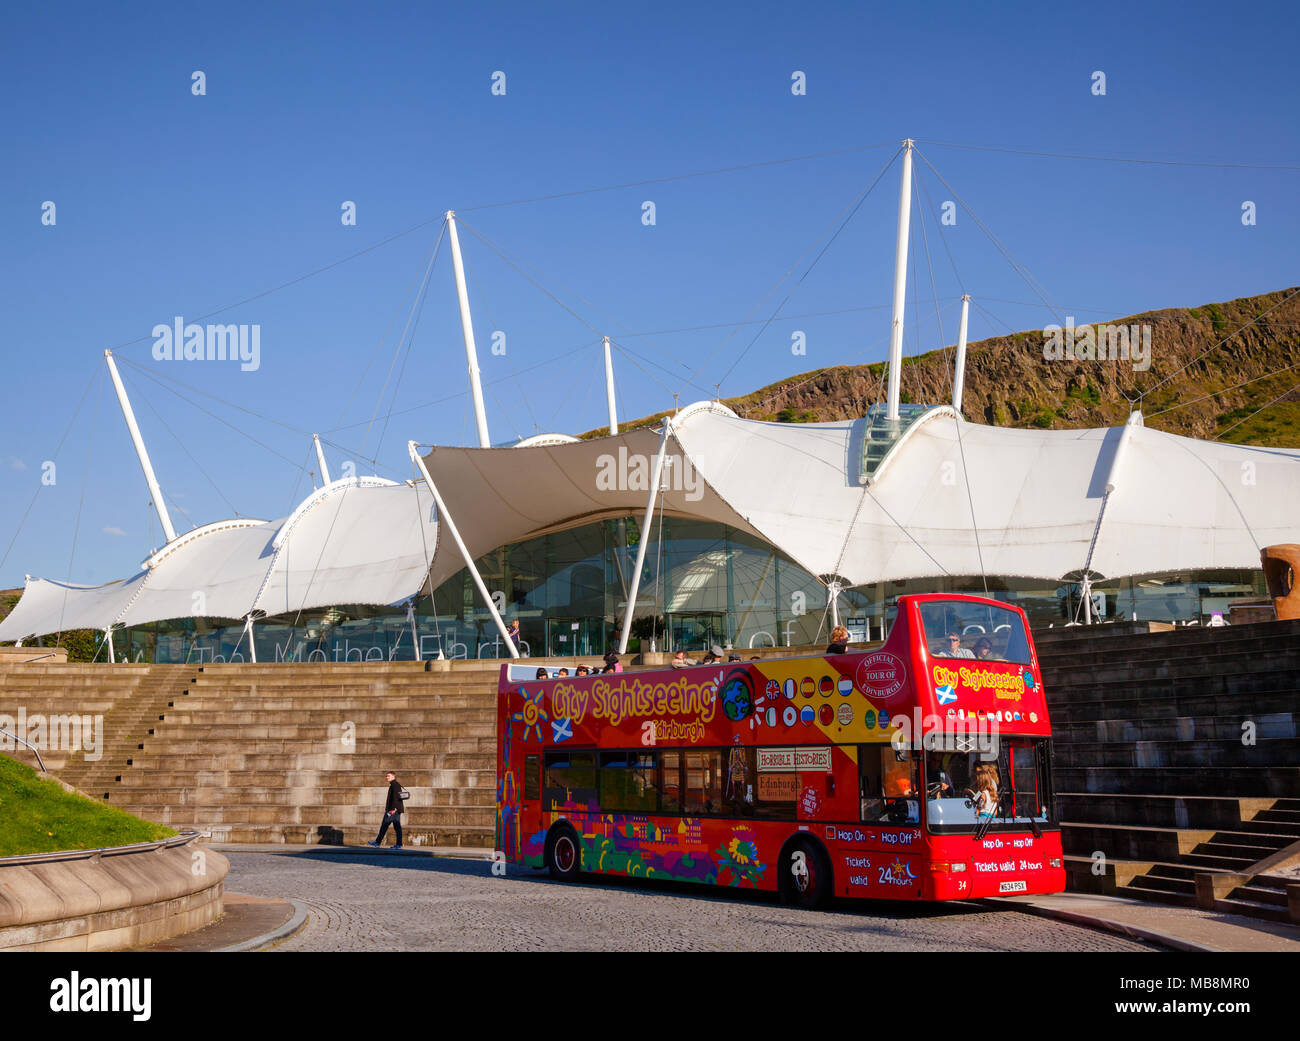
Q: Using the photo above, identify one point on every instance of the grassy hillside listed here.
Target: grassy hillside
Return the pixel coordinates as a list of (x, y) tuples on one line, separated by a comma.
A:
[(38, 816), (1009, 382)]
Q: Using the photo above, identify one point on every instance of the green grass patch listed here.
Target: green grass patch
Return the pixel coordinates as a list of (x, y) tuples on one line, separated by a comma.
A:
[(37, 816)]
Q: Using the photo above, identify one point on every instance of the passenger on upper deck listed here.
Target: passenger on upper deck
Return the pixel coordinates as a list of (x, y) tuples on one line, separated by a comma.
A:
[(952, 647), (680, 661), (984, 649), (839, 641)]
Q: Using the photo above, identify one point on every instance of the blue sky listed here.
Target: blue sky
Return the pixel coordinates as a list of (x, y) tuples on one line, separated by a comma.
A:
[(168, 203)]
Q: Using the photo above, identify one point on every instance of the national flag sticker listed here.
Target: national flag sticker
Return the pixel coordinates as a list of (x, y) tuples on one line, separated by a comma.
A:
[(808, 715), (826, 686), (945, 694), (789, 688), (790, 716), (561, 730), (826, 715), (846, 686)]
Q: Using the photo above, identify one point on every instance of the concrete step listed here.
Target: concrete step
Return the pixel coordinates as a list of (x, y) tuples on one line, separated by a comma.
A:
[(1221, 727), (1126, 842), (1243, 781), (1180, 703), (1201, 754), (1173, 811)]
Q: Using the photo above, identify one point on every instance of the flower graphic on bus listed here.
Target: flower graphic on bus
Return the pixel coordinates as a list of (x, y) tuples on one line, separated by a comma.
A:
[(531, 714), (740, 857)]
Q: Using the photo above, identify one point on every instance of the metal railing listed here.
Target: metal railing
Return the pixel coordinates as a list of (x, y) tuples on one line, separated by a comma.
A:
[(184, 838), (5, 733)]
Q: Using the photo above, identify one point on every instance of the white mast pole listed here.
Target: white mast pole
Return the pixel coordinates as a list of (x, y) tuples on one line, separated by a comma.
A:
[(645, 537), (143, 455), (959, 370), (609, 389), (900, 281), (444, 520), (320, 458), (467, 327)]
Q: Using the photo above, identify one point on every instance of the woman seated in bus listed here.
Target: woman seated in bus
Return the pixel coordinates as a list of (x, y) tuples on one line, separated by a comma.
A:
[(984, 798), (680, 661), (839, 641), (984, 650), (542, 674)]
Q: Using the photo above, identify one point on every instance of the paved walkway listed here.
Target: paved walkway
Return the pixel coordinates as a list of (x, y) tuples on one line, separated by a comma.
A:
[(1183, 928), (342, 899)]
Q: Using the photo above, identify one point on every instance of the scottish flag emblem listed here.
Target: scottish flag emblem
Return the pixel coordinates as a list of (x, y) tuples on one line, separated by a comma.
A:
[(945, 694), (561, 730)]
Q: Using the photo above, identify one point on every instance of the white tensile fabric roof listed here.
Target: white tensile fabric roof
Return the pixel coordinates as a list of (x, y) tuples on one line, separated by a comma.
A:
[(951, 498), (356, 541), (954, 498)]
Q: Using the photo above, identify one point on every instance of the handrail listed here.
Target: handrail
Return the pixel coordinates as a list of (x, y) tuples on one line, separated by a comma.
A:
[(184, 838), (51, 654), (5, 733)]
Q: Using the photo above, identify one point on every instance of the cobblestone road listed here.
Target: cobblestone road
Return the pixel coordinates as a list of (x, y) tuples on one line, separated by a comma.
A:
[(386, 903)]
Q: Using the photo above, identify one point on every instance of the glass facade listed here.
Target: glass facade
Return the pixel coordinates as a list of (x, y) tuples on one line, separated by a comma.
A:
[(701, 584)]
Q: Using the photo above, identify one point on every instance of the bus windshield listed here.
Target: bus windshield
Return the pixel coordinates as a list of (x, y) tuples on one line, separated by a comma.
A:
[(964, 789), (962, 629)]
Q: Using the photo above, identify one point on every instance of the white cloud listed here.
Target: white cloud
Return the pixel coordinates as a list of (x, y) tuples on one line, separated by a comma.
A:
[(16, 464), (113, 531)]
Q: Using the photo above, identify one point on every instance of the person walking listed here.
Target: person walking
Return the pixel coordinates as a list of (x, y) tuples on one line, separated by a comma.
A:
[(392, 812)]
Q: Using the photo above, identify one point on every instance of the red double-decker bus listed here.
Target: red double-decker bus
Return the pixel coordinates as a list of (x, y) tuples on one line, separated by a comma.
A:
[(919, 770)]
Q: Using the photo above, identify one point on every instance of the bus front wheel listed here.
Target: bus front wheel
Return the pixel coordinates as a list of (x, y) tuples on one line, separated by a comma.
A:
[(563, 856), (805, 875)]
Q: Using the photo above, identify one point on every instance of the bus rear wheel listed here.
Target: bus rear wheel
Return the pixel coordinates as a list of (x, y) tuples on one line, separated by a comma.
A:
[(805, 875), (563, 856)]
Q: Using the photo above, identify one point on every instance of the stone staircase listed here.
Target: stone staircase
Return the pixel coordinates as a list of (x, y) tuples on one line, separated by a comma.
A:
[(297, 753), (1177, 761), (48, 691)]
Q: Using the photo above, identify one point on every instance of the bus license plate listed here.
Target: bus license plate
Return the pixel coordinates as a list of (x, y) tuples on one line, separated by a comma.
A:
[(1013, 887)]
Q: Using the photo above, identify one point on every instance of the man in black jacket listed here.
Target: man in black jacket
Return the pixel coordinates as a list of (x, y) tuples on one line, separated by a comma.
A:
[(392, 812)]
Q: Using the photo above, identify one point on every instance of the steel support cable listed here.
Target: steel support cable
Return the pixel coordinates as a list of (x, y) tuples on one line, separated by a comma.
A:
[(1286, 299), (1257, 411), (57, 449), (631, 355), (493, 247), (478, 284), (677, 177), (1111, 158), (1016, 266), (356, 388), (942, 238), (970, 499), (847, 214), (1235, 386), (81, 502), (408, 335), (232, 426), (189, 455), (294, 281), (519, 264)]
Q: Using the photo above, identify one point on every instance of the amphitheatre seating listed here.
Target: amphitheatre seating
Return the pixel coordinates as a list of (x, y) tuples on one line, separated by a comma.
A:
[(284, 752), (1176, 755)]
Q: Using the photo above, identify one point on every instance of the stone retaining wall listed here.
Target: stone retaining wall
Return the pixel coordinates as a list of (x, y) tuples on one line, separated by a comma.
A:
[(109, 899)]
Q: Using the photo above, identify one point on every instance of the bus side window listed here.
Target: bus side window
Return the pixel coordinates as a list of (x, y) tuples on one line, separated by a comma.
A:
[(670, 781), (704, 777), (532, 777), (570, 780), (889, 786)]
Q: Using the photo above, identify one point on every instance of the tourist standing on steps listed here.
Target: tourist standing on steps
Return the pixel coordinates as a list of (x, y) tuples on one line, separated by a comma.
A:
[(392, 812)]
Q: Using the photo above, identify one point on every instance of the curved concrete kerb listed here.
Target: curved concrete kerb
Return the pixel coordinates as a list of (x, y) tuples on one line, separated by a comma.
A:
[(109, 899)]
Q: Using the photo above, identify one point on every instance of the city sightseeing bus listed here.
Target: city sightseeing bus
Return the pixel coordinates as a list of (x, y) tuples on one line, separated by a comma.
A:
[(919, 770)]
